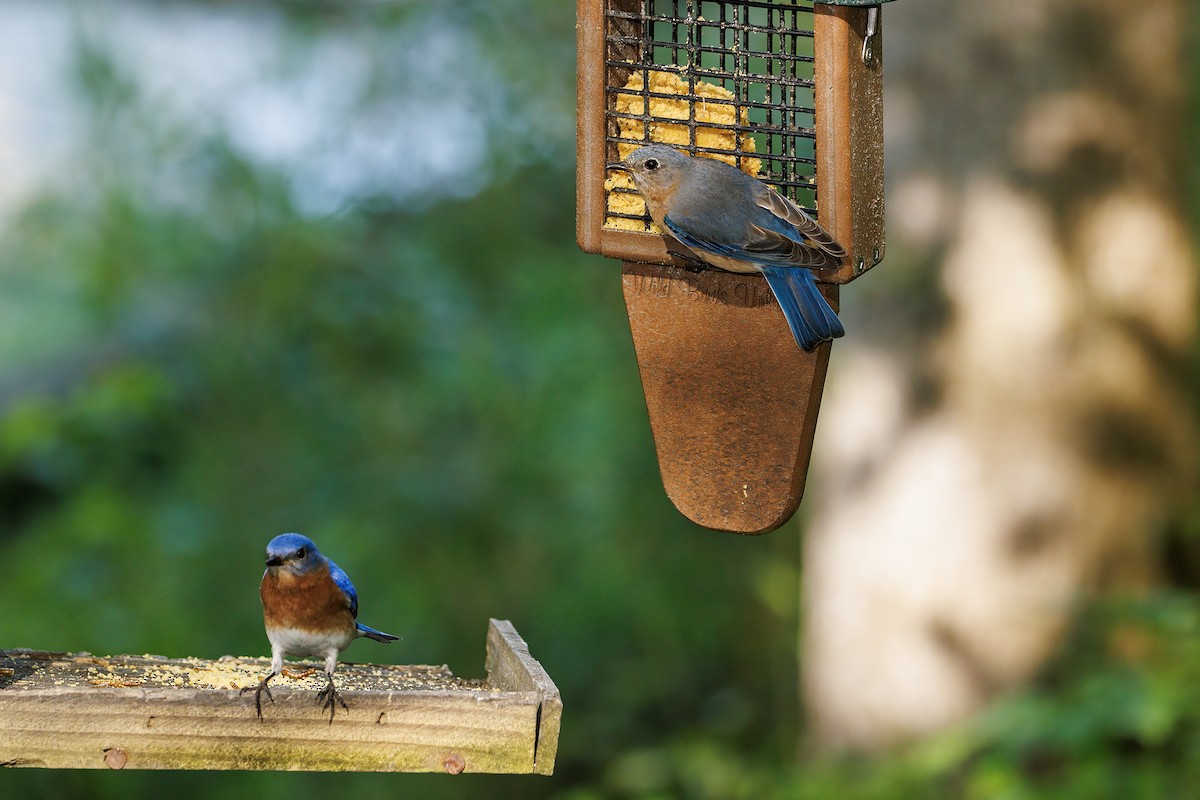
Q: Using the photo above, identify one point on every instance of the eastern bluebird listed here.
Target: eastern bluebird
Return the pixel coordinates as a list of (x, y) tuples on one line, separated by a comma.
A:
[(739, 224), (310, 609)]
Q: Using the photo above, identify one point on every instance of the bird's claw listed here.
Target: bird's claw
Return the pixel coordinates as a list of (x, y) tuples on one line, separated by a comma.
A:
[(330, 698), (258, 693), (690, 262)]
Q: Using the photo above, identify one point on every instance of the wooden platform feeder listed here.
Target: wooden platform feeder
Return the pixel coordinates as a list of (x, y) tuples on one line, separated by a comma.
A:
[(791, 92), (64, 710)]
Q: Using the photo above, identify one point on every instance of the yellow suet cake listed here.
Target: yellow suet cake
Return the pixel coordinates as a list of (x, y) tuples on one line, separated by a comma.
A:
[(659, 130)]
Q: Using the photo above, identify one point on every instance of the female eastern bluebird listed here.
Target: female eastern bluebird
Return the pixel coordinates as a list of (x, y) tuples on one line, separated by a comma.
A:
[(739, 224), (310, 609)]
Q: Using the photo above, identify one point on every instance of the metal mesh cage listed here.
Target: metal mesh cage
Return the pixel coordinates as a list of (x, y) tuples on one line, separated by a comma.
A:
[(732, 80)]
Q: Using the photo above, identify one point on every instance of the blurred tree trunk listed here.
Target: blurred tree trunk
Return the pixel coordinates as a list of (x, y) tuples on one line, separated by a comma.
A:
[(1024, 446)]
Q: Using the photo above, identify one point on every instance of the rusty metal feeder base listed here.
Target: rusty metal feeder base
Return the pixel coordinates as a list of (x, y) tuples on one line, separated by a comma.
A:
[(733, 400)]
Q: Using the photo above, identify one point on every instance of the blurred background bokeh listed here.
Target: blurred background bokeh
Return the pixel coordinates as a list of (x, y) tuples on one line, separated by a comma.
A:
[(274, 266)]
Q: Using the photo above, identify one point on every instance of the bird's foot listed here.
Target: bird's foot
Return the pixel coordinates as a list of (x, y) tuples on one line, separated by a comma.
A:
[(690, 262), (330, 698), (258, 693)]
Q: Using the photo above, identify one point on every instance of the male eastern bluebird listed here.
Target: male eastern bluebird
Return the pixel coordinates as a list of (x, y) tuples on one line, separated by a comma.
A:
[(310, 609), (739, 224)]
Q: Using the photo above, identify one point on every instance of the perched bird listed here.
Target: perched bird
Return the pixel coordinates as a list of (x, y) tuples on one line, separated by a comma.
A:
[(739, 224), (310, 609)]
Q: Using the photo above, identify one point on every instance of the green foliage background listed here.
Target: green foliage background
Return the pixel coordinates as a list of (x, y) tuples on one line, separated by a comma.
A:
[(442, 392)]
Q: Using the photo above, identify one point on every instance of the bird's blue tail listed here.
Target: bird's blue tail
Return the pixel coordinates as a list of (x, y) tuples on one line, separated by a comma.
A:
[(808, 315), (378, 636)]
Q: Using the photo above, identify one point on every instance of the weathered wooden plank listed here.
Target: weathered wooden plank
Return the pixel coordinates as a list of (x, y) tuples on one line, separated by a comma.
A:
[(139, 712), (511, 667)]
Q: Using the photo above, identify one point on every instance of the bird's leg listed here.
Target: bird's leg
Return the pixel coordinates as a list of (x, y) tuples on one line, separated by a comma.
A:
[(689, 259), (258, 693), (329, 697), (690, 262), (276, 668)]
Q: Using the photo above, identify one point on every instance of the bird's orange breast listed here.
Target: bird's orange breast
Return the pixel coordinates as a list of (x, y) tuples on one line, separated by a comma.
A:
[(656, 198), (310, 602)]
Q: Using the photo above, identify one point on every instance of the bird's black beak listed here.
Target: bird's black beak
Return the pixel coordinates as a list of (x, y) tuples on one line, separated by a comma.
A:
[(274, 561), (619, 165)]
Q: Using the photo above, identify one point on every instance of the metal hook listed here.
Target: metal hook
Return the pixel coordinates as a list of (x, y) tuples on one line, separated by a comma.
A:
[(872, 28)]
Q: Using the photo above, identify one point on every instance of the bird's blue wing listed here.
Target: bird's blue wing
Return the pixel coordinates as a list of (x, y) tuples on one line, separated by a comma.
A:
[(343, 582), (780, 250), (757, 244), (699, 242)]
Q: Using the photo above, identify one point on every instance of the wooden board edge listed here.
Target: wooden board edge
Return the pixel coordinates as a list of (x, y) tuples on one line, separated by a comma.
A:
[(510, 667)]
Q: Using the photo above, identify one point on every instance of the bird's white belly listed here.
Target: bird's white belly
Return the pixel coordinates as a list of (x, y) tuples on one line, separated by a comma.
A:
[(309, 643)]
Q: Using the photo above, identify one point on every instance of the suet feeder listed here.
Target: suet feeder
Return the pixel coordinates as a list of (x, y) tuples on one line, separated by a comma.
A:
[(790, 92)]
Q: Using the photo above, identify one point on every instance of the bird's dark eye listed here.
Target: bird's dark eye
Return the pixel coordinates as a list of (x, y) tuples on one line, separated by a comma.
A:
[(300, 553), (651, 163)]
